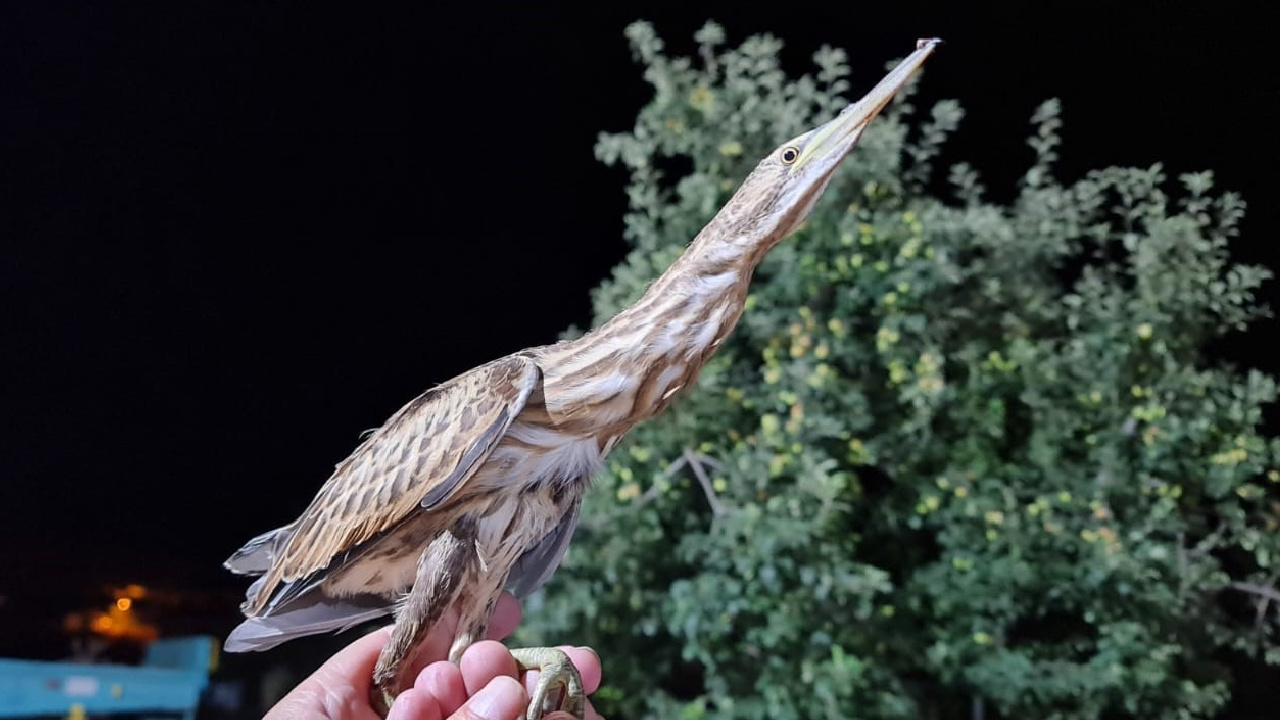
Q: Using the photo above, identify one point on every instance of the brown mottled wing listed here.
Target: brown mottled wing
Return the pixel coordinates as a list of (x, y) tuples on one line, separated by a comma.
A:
[(420, 457)]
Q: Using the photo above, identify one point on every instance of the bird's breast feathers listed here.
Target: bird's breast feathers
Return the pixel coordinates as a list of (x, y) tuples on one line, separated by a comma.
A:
[(534, 454)]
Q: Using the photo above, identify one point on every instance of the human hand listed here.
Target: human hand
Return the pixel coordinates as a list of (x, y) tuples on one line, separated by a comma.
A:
[(483, 686)]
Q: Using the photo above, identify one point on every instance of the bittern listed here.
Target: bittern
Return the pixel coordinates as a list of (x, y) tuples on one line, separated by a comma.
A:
[(476, 485)]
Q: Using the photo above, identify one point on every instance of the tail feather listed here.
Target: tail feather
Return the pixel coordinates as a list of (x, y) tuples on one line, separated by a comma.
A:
[(256, 556), (311, 614)]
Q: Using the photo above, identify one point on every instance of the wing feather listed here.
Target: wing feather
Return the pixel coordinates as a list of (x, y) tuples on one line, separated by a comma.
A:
[(535, 567), (422, 455)]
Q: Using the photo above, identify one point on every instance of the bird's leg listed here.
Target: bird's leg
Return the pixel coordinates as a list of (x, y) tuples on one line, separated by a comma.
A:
[(441, 568), (473, 624), (559, 684)]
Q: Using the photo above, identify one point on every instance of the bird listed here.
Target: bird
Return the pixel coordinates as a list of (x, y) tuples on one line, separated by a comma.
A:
[(475, 486)]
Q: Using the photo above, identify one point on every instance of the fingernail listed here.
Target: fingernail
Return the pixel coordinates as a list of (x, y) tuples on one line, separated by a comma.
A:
[(497, 700)]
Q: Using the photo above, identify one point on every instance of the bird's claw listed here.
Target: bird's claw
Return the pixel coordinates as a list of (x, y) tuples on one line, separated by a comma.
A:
[(559, 683), (381, 700)]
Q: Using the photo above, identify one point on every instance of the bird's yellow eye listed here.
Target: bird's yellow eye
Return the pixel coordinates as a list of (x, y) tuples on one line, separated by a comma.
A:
[(789, 155)]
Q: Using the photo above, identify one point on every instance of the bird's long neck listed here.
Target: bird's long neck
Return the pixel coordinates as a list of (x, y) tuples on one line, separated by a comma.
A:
[(632, 366), (690, 308)]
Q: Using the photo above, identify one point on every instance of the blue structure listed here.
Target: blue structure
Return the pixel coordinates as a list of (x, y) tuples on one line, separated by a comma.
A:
[(170, 680)]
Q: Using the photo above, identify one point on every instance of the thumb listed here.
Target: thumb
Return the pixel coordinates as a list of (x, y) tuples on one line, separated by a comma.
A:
[(352, 665)]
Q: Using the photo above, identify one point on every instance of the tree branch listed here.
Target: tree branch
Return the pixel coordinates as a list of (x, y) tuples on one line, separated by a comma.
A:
[(1254, 589), (695, 462)]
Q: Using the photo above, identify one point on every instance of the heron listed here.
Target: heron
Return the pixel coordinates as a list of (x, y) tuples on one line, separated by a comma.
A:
[(475, 486)]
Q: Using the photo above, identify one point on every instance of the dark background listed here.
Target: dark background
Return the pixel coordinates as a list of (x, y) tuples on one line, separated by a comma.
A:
[(235, 235)]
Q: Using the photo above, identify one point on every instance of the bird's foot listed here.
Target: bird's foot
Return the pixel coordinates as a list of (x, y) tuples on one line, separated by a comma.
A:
[(559, 684)]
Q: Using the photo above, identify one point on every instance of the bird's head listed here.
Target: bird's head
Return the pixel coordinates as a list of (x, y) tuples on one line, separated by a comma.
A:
[(777, 196)]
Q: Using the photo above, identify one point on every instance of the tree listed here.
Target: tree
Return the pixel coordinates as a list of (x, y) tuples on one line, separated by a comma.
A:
[(959, 454)]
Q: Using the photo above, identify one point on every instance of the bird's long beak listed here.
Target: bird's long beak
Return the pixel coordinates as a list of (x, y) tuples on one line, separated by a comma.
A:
[(837, 137)]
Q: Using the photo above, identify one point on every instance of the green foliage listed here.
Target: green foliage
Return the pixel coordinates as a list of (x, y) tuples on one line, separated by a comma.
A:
[(956, 451)]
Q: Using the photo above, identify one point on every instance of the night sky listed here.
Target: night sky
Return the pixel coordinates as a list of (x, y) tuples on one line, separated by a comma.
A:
[(235, 235)]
